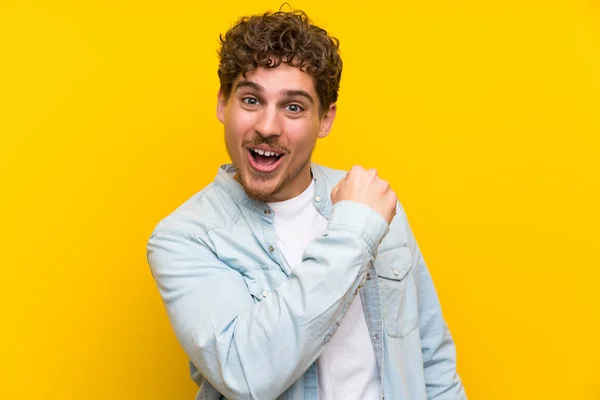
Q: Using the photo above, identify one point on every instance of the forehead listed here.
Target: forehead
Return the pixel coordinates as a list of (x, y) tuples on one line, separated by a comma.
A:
[(283, 77)]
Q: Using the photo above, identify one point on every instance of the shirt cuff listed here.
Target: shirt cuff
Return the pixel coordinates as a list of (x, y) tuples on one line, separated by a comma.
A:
[(352, 216)]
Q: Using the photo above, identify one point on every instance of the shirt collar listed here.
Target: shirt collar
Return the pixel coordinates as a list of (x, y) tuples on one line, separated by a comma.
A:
[(321, 199)]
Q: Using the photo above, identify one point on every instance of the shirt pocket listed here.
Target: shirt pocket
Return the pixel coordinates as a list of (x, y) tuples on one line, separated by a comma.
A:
[(397, 291)]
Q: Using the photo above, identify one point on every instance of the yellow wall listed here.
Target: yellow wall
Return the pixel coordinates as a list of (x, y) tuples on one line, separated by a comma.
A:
[(484, 116)]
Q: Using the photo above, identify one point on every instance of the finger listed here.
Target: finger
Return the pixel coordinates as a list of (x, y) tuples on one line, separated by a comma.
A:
[(341, 182), (335, 190), (354, 170)]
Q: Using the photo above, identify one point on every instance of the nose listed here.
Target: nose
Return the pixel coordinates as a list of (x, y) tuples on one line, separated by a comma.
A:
[(268, 123)]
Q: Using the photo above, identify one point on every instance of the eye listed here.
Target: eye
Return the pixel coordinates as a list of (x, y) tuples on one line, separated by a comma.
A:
[(251, 101), (294, 108)]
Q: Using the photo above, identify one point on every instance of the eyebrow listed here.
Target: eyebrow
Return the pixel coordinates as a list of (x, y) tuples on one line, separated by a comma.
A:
[(285, 92), (302, 93), (253, 85)]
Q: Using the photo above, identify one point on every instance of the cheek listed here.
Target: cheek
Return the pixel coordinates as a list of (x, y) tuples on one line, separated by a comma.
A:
[(302, 133), (238, 123)]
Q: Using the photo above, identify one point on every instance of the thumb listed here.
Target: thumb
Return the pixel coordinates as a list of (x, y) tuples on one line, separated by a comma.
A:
[(335, 190)]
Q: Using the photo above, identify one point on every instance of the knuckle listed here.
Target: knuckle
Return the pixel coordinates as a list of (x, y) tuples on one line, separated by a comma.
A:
[(355, 169)]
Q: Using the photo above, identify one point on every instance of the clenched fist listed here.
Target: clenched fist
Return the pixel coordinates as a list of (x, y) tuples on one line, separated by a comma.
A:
[(365, 186)]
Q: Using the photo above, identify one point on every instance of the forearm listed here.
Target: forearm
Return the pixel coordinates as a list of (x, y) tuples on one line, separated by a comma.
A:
[(249, 350), (270, 345)]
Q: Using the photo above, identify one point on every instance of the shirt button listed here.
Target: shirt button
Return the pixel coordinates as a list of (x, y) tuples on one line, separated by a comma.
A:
[(271, 249), (317, 198), (369, 276), (327, 338), (265, 294), (376, 337), (396, 272), (267, 211)]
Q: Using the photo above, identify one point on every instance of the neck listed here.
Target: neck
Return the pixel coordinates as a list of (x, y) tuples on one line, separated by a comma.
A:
[(296, 186)]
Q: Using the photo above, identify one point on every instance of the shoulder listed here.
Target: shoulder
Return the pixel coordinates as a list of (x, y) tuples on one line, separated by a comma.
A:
[(208, 209), (331, 175), (399, 228)]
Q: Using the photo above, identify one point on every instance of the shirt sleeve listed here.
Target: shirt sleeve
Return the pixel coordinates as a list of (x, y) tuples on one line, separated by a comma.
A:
[(256, 351)]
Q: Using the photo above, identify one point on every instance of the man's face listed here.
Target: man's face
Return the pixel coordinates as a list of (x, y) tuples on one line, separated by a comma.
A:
[(272, 123)]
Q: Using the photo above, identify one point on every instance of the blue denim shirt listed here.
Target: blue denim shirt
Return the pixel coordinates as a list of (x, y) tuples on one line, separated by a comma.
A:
[(253, 328)]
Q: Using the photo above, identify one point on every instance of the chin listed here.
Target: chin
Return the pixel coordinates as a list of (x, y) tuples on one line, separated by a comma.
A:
[(260, 189)]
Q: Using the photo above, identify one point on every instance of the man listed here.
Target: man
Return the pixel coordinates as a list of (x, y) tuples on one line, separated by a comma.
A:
[(286, 279)]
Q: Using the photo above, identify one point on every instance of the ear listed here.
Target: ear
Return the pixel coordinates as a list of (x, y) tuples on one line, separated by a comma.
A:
[(327, 121), (221, 105)]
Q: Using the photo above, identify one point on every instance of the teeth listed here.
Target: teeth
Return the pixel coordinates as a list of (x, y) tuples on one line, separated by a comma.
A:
[(265, 153)]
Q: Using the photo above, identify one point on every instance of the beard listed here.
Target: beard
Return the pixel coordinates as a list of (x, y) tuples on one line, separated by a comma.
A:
[(265, 193)]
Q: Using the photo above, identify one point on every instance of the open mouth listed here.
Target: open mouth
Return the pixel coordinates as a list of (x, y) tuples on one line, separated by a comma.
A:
[(264, 161)]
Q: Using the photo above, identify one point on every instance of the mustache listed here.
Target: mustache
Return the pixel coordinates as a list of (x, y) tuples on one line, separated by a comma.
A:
[(272, 141)]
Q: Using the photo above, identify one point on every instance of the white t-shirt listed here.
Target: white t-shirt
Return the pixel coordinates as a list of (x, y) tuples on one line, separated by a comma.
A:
[(347, 369)]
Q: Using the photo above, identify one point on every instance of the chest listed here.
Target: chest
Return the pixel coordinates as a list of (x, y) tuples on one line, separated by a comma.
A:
[(294, 233), (265, 256)]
